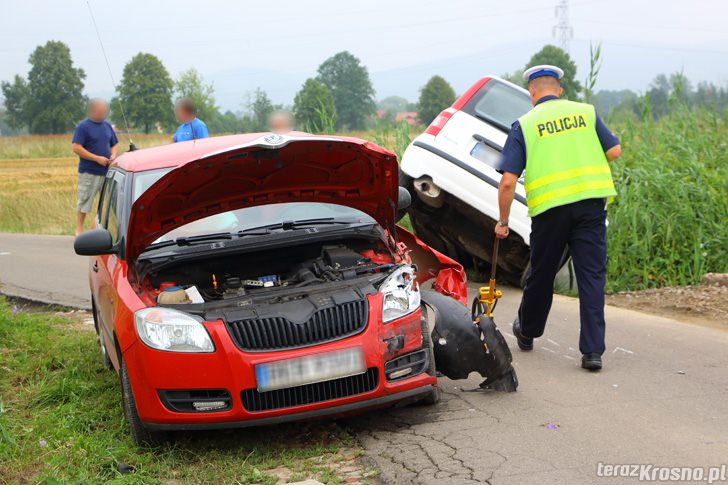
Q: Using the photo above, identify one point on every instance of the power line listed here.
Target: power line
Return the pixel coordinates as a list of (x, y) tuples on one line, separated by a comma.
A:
[(132, 147), (563, 32)]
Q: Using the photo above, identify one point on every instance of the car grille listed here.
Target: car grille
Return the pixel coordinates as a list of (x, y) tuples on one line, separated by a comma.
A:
[(278, 333), (253, 400)]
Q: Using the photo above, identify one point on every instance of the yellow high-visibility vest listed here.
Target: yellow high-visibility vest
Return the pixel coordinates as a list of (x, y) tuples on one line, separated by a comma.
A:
[(565, 162)]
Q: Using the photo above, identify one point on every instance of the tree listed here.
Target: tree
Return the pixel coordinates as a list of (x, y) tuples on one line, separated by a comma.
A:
[(555, 56), (314, 107), (16, 96), (227, 122), (393, 104), (351, 87), (516, 77), (52, 99), (190, 84), (435, 96), (261, 108), (145, 94)]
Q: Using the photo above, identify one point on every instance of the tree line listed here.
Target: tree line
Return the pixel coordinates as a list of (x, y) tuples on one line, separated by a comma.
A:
[(51, 99)]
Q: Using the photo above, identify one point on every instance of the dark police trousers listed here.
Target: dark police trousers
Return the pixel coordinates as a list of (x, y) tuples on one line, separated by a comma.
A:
[(582, 227)]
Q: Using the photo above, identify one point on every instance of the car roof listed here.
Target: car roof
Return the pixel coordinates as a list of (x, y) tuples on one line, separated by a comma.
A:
[(176, 154)]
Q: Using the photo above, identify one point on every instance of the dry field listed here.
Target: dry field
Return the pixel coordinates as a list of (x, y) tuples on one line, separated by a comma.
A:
[(38, 195), (38, 182)]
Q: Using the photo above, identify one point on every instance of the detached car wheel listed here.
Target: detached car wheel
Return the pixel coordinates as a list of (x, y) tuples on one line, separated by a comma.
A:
[(141, 435), (436, 394), (102, 345)]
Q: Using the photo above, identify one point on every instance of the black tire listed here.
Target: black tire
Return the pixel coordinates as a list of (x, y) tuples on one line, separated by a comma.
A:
[(564, 260), (102, 345), (524, 275), (436, 394), (142, 436)]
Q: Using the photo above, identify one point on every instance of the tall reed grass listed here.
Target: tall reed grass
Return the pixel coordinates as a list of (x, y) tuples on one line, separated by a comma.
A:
[(669, 224)]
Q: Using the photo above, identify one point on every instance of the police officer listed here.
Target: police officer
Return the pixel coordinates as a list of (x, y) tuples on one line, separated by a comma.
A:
[(564, 148)]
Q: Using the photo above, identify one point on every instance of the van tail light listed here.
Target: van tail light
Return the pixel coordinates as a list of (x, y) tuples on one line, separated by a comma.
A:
[(439, 122)]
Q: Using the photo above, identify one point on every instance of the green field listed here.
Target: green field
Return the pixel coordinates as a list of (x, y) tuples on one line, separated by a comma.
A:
[(668, 226), (61, 421)]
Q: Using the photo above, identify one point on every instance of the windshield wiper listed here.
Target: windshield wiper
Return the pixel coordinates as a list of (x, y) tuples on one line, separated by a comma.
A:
[(288, 225), (187, 240)]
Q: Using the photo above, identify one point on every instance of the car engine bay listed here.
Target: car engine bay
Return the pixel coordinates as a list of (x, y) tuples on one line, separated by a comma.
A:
[(222, 278)]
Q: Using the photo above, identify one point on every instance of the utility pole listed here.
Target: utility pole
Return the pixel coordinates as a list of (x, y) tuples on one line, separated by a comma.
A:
[(562, 31)]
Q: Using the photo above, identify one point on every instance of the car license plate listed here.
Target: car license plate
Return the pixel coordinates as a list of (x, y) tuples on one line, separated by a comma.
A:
[(312, 368)]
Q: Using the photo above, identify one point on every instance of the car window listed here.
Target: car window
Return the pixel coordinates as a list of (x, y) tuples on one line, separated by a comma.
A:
[(250, 217), (104, 201), (144, 180), (499, 104), (112, 215)]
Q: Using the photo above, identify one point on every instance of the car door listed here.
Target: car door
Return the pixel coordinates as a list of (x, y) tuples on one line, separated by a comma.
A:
[(107, 266)]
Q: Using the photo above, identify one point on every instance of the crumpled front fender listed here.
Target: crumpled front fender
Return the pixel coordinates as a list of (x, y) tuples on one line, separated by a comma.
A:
[(461, 347)]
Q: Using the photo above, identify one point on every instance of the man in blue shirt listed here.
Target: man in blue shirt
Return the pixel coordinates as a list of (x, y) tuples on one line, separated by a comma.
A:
[(95, 142), (191, 128)]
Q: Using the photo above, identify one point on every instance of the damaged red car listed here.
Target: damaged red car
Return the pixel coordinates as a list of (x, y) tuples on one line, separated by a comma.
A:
[(256, 279)]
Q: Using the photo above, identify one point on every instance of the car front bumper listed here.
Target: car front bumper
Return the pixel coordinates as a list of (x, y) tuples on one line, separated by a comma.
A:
[(233, 370)]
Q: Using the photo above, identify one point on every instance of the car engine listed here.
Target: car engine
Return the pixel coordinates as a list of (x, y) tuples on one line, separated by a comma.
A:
[(252, 275)]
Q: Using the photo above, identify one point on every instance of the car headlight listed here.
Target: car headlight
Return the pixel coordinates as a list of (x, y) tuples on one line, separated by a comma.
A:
[(172, 330), (401, 293)]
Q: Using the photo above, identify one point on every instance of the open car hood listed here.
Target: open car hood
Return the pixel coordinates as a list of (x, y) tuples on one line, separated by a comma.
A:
[(268, 170)]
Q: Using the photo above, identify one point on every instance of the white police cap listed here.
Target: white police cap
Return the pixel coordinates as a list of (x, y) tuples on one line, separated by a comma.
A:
[(543, 70)]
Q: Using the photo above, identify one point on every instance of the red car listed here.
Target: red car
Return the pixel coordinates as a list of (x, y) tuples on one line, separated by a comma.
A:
[(257, 279)]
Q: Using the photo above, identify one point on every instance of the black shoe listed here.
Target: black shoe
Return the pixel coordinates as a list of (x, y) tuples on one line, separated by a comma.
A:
[(591, 361), (524, 343)]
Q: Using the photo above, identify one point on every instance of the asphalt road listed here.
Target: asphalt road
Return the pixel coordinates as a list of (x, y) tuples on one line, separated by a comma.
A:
[(43, 268), (662, 398)]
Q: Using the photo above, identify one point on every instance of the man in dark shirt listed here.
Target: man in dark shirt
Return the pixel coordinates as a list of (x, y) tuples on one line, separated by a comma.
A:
[(95, 142)]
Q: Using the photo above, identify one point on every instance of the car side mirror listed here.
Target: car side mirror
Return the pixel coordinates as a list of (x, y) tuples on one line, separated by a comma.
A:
[(94, 243), (405, 199)]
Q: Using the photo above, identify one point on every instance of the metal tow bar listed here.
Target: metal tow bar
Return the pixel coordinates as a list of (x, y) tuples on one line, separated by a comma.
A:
[(488, 296)]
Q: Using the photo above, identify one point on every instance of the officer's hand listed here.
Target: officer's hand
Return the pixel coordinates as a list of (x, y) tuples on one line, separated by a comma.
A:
[(501, 232)]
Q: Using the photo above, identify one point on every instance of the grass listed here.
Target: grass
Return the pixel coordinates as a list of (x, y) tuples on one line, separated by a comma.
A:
[(61, 421), (59, 146), (38, 195), (38, 176), (669, 224)]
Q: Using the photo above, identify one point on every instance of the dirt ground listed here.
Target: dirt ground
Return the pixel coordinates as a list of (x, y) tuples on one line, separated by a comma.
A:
[(707, 302)]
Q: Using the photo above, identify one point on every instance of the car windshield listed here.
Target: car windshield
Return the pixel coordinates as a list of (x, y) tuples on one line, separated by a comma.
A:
[(499, 104), (265, 215), (253, 217)]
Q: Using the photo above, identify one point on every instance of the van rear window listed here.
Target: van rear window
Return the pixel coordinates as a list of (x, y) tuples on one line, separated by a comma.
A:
[(499, 104)]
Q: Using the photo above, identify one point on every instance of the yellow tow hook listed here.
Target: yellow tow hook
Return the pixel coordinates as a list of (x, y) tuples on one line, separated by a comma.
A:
[(488, 296)]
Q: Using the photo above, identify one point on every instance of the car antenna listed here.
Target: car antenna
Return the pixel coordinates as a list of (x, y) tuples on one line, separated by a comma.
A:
[(132, 146)]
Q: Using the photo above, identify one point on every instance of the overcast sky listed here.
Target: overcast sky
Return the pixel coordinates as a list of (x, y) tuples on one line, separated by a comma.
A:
[(239, 45)]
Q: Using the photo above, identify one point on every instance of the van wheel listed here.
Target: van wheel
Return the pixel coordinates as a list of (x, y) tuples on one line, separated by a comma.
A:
[(436, 394), (102, 345), (524, 275), (142, 436)]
